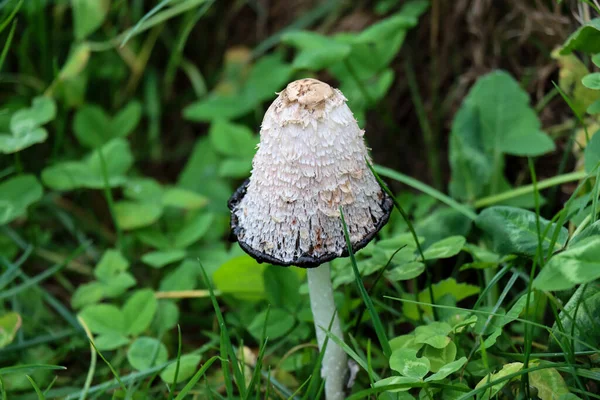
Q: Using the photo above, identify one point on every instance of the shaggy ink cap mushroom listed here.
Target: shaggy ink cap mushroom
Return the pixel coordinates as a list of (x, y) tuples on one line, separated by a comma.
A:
[(310, 161)]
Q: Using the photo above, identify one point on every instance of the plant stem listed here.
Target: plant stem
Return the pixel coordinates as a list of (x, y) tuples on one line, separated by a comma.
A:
[(511, 194), (335, 361), (109, 199)]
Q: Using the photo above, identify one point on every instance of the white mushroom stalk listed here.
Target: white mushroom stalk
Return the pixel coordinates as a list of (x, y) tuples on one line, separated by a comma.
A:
[(310, 161)]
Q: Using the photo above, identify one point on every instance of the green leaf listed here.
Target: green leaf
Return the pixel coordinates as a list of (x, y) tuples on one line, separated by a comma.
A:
[(25, 125), (406, 363), (403, 272), (280, 322), (396, 380), (144, 350), (445, 248), (89, 293), (88, 15), (134, 214), (184, 277), (585, 39), (592, 81), (232, 139), (242, 277), (139, 311), (87, 173), (316, 51), (513, 230), (435, 334), (183, 198), (193, 230), (592, 153), (16, 194), (405, 342), (110, 341), (103, 318), (144, 190), (549, 383), (582, 309), (594, 108), (282, 287), (576, 265), (94, 128), (447, 369), (494, 119), (217, 106), (507, 369), (457, 291), (439, 357), (188, 364), (9, 325), (235, 168), (158, 259), (111, 264), (591, 230), (166, 317)]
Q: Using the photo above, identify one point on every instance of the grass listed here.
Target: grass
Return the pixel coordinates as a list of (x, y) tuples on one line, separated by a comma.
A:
[(456, 296)]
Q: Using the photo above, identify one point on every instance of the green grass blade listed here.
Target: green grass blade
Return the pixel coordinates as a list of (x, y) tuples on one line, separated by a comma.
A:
[(7, 44), (39, 393), (420, 186), (178, 361), (26, 368), (379, 329), (190, 385)]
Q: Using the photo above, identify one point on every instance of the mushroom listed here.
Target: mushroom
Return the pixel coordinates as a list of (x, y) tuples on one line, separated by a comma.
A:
[(311, 160)]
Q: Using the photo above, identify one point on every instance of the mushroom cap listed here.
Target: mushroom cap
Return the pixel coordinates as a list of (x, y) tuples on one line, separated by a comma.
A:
[(309, 162)]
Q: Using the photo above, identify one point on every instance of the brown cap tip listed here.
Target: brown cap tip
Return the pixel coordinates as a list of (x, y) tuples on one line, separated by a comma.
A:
[(308, 92)]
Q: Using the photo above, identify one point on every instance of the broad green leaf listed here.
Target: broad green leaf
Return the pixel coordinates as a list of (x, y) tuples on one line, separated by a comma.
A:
[(193, 229), (396, 380), (144, 190), (447, 369), (183, 198), (89, 293), (232, 139), (586, 301), (166, 317), (592, 153), (88, 15), (458, 291), (594, 108), (117, 285), (549, 383), (576, 265), (280, 322), (87, 173), (507, 369), (241, 277), (110, 265), (585, 39), (110, 341), (405, 342), (494, 119), (139, 311), (103, 318), (267, 77), (25, 125), (315, 50), (406, 363), (383, 30), (94, 128), (184, 277), (188, 365), (439, 357), (9, 325), (235, 168), (134, 214), (590, 231), (158, 259), (146, 352), (282, 288), (403, 272), (445, 248), (592, 81), (513, 230), (217, 106), (434, 334), (16, 194)]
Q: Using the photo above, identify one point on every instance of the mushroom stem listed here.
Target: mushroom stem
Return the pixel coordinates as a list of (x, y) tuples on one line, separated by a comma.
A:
[(335, 361)]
